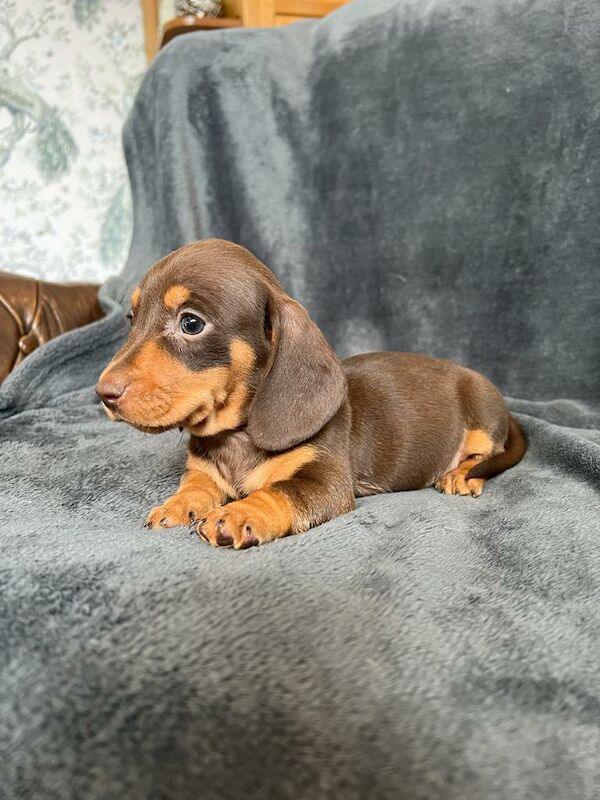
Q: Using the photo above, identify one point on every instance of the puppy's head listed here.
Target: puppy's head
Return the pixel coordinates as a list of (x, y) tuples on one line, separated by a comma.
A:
[(216, 344)]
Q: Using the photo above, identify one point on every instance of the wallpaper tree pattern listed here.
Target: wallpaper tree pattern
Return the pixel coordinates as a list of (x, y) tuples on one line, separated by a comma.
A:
[(68, 72)]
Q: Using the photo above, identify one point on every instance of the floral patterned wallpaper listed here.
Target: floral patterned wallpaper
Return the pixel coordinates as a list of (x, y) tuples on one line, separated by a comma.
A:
[(69, 70)]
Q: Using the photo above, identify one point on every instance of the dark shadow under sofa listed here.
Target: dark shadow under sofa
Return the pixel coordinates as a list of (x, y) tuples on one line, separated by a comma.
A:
[(422, 176)]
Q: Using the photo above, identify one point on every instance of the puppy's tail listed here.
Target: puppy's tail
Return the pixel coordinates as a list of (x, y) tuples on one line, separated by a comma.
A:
[(514, 450)]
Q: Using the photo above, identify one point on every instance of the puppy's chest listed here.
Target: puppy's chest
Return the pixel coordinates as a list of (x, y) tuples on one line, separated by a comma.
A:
[(237, 459)]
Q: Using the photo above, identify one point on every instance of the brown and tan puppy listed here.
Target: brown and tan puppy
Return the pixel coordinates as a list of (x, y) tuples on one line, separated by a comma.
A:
[(284, 435)]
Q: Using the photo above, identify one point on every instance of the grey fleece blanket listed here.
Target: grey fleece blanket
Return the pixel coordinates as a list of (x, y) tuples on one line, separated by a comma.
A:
[(423, 176)]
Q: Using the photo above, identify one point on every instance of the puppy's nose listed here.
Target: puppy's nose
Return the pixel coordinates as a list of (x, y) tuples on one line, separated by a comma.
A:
[(110, 392)]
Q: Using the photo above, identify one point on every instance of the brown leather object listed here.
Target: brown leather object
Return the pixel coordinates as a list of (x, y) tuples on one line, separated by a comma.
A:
[(32, 312)]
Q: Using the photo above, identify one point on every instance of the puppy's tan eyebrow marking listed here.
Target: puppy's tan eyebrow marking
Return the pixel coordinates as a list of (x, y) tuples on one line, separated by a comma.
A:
[(176, 296), (135, 298)]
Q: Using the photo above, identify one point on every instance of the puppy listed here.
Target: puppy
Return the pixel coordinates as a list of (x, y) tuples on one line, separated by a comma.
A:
[(284, 435)]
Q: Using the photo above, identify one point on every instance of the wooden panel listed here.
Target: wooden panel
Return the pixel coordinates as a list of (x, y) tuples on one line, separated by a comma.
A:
[(150, 12), (258, 13), (286, 19), (307, 8), (232, 8), (250, 13)]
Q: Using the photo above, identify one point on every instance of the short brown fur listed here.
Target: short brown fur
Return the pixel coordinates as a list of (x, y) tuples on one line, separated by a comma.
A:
[(283, 434)]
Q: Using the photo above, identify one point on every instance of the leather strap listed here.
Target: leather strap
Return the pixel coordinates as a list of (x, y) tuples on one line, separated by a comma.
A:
[(13, 313)]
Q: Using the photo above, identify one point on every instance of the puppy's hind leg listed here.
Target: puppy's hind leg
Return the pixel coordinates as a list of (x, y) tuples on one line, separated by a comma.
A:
[(493, 441), (476, 447)]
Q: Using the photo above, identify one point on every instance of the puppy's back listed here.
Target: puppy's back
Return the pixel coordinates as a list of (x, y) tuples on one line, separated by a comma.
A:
[(410, 413)]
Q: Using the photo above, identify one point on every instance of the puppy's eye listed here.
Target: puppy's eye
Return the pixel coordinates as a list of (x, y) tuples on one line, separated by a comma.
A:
[(191, 324), (130, 317)]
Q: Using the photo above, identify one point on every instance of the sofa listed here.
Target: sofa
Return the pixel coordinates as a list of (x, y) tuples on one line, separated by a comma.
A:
[(423, 177)]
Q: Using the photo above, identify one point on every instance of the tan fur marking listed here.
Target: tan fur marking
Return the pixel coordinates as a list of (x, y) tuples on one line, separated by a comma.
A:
[(478, 443), (275, 511), (203, 465), (243, 357), (279, 468), (476, 446), (229, 414), (201, 490), (164, 392), (475, 442), (185, 391), (176, 296), (135, 298)]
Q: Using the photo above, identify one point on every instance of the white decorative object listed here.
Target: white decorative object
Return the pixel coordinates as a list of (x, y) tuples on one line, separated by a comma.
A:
[(199, 8)]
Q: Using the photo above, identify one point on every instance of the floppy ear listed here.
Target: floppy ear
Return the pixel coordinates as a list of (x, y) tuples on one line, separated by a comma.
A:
[(304, 383)]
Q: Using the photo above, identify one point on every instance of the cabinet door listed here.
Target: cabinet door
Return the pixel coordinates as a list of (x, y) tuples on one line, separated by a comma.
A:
[(258, 13), (306, 8), (267, 13)]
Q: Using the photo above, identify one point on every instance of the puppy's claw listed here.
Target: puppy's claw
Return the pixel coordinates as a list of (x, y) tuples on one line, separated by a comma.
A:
[(202, 535), (249, 541)]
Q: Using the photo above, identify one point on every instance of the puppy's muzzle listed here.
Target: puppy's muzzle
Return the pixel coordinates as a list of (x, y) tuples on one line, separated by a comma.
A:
[(111, 392)]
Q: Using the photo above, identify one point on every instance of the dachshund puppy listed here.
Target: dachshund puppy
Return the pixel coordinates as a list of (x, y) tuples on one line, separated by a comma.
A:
[(284, 435)]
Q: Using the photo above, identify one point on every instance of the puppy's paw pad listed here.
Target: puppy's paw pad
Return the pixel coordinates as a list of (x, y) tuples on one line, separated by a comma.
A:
[(249, 539)]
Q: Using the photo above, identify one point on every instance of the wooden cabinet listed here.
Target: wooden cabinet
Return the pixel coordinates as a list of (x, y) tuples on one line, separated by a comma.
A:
[(267, 13), (246, 13)]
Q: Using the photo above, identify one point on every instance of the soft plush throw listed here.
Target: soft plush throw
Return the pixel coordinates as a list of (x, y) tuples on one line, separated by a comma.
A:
[(422, 176)]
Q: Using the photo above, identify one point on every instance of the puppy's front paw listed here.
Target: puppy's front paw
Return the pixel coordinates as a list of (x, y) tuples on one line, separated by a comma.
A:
[(257, 519), (229, 527), (180, 509)]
